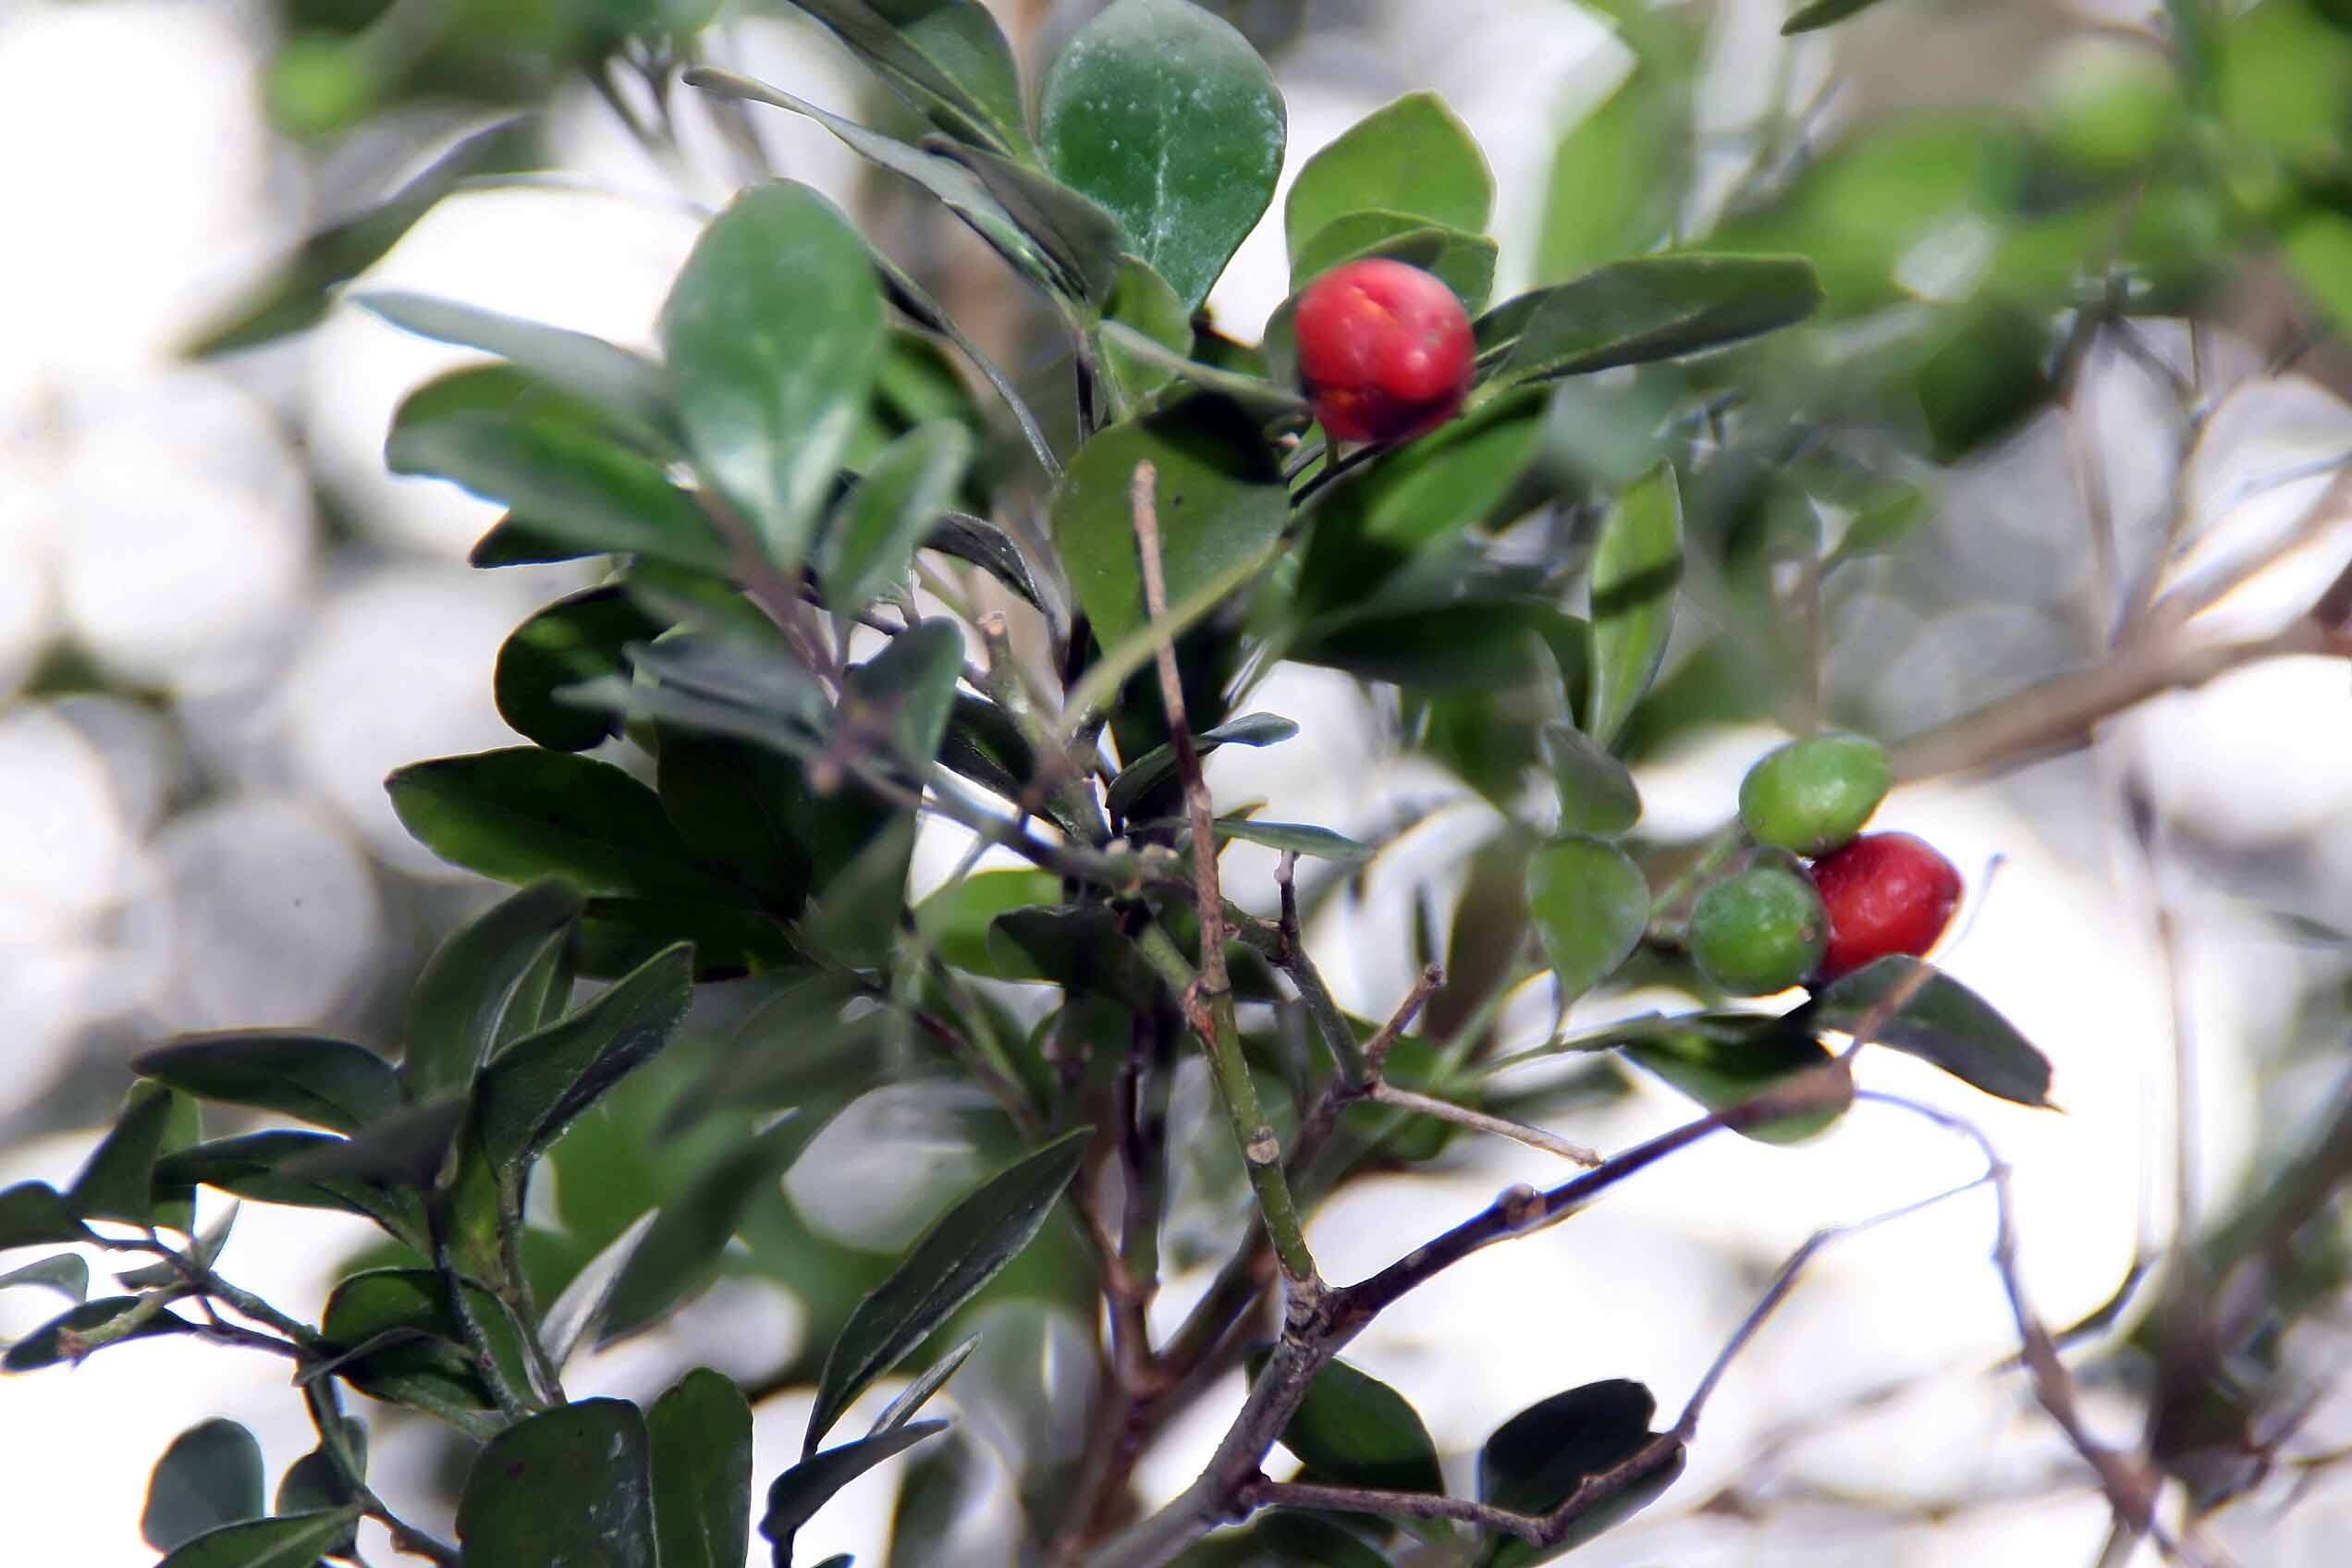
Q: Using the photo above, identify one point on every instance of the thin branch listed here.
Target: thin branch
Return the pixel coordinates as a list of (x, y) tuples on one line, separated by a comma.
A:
[(1534, 1137), (1391, 1505)]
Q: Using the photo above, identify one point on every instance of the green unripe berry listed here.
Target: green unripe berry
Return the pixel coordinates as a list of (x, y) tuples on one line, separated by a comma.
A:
[(1759, 931), (1811, 796)]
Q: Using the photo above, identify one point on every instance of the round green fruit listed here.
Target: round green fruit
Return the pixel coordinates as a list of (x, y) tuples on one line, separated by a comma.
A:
[(1759, 931), (1811, 796)]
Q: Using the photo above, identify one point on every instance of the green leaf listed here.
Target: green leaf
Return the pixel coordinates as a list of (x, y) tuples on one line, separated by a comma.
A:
[(1463, 262), (1142, 301), (67, 1273), (870, 543), (403, 1149), (1660, 308), (1158, 765), (961, 1252), (401, 1343), (58, 1340), (1299, 838), (557, 461), (490, 982), (521, 814), (571, 1485), (527, 1097), (1164, 115), (1620, 173), (1590, 905), (117, 1180), (299, 296), (739, 805), (1078, 947), (1637, 566), (909, 690), (1082, 241), (987, 746), (315, 1483), (1220, 498), (624, 384), (773, 332), (1720, 1059), (700, 1433), (1537, 1460), (955, 920), (1478, 647), (945, 57), (34, 1214), (916, 1394), (986, 547), (1263, 401), (1942, 1022), (328, 1083), (1353, 1430), (1822, 13), (1597, 794), (577, 638), (294, 1540), (794, 1497), (253, 1166), (1412, 156), (210, 1476)]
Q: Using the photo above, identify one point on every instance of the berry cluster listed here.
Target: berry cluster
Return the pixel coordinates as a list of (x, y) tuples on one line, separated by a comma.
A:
[(1777, 922)]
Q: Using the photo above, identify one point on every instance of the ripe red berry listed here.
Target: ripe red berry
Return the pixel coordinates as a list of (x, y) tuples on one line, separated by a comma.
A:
[(1385, 351), (1884, 893)]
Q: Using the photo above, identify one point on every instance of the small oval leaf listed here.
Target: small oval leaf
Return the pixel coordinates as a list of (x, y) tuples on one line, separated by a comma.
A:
[(1590, 905)]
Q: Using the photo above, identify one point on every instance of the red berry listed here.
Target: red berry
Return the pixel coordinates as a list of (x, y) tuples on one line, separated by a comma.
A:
[(1385, 351), (1884, 893)]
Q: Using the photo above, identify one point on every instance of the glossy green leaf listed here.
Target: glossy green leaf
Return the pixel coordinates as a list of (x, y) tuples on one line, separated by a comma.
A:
[(907, 690), (1660, 308), (794, 1497), (210, 1476), (773, 332), (1164, 115), (1263, 401), (577, 638), (522, 814), (294, 1540), (700, 1434), (986, 547), (1299, 838), (254, 1166), (945, 57), (67, 1336), (1637, 568), (1539, 1458), (117, 1180), (1079, 238), (571, 1485), (557, 461), (1720, 1060), (1463, 262), (1220, 498), (955, 920), (1142, 301), (870, 543), (1590, 905), (526, 1097), (961, 1251), (402, 1344), (625, 385), (1158, 765), (1078, 947), (299, 295), (739, 805), (490, 982), (1353, 1430), (1597, 794), (1941, 1020), (67, 1273), (325, 1082), (1619, 174), (1412, 156), (35, 1214)]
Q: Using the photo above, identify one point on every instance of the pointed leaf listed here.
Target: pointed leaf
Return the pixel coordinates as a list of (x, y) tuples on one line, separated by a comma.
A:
[(918, 1393), (1597, 794), (907, 689), (210, 1476), (117, 1180), (1636, 567), (1821, 14), (404, 1149), (986, 547), (872, 539), (253, 1166), (1720, 1060), (577, 638), (1299, 838), (570, 1485), (328, 1083), (489, 983), (34, 1213), (1164, 114), (67, 1273), (700, 1433), (406, 1347), (963, 1250), (772, 333), (295, 1540), (1158, 765), (1353, 1430), (1942, 1022), (625, 385), (1590, 905), (1660, 307), (566, 1322), (794, 1497), (1082, 241), (945, 57), (65, 1337)]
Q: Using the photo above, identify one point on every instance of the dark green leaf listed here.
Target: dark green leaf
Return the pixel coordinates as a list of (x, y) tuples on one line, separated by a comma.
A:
[(299, 296), (794, 1497), (1590, 905), (625, 385), (945, 57), (1412, 158), (1082, 242), (1720, 1060), (571, 1485), (210, 1476), (1299, 838), (701, 1437), (907, 690), (315, 1483), (961, 1251), (560, 462), (1079, 948), (1312, 1540), (1473, 648), (955, 920), (1263, 401), (1158, 765), (1539, 1458), (575, 639), (117, 1180), (527, 1098), (1597, 794), (253, 1166), (1942, 1022), (773, 332), (1164, 115), (1463, 262), (1660, 308), (402, 1344), (918, 1393), (66, 1336), (1220, 498), (871, 541), (1354, 1430), (34, 1214), (1823, 13), (403, 1149), (1142, 301), (987, 746), (515, 541), (490, 982), (986, 547), (521, 814), (1636, 567), (67, 1273), (738, 805), (296, 1540), (328, 1083)]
